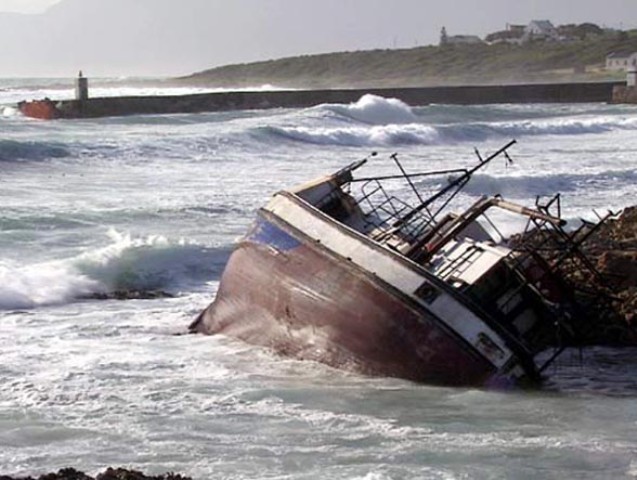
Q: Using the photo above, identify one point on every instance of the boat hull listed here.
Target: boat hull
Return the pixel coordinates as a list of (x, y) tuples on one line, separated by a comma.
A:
[(40, 109), (285, 292)]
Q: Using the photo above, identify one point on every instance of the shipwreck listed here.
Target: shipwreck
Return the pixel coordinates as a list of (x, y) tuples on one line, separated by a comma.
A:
[(382, 280)]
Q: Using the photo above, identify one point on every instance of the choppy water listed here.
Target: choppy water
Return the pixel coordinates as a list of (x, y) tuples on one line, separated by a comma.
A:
[(156, 202)]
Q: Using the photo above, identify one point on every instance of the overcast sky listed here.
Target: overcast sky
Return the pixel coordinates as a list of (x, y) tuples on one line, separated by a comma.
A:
[(25, 6), (174, 37)]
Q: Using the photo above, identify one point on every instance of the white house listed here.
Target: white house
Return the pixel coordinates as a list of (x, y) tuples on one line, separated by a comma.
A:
[(540, 30), (519, 34), (622, 62)]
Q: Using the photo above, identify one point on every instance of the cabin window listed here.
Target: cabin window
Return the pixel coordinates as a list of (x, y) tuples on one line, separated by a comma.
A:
[(334, 208)]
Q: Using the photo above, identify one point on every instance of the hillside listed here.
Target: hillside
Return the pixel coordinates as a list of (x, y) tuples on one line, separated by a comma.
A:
[(428, 66)]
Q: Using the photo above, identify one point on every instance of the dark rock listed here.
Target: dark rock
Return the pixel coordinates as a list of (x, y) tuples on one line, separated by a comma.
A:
[(609, 296), (108, 474), (123, 474), (66, 474), (127, 294), (613, 250)]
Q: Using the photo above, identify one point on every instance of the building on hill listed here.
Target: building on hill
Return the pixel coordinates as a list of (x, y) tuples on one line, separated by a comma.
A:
[(540, 30), (464, 39), (516, 29), (582, 31), (458, 39), (519, 34), (505, 36), (621, 62)]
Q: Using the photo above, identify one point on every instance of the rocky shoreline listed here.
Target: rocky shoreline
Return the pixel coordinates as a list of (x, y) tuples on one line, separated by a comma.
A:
[(108, 474), (613, 249), (603, 280)]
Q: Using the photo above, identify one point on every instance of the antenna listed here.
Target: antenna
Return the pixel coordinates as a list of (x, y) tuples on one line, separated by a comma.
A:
[(394, 157), (457, 183)]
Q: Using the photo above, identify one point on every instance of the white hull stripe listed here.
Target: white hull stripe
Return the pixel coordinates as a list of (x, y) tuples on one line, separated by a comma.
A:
[(384, 265)]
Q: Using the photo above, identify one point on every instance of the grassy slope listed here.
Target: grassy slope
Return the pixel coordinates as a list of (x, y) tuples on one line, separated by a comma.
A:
[(425, 66)]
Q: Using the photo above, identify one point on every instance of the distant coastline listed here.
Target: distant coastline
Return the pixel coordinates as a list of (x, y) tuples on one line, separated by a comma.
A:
[(447, 65)]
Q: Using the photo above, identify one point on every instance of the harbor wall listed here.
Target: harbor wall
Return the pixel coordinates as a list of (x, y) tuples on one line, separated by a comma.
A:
[(463, 95)]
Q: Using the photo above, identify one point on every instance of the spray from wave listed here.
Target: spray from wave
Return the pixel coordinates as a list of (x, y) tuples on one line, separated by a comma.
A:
[(9, 111), (139, 264), (375, 110)]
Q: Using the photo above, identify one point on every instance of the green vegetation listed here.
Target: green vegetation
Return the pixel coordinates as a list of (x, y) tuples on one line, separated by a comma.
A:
[(573, 61)]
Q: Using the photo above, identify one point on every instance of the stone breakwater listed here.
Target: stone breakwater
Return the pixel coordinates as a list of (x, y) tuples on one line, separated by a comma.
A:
[(224, 101)]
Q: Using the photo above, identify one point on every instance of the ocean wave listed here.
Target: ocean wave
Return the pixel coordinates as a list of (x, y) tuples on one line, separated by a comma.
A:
[(552, 126), (138, 264), (150, 263), (374, 110), (376, 122), (412, 134), (13, 150), (547, 185)]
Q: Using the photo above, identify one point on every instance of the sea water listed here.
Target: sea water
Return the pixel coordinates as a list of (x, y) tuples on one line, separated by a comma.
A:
[(156, 203)]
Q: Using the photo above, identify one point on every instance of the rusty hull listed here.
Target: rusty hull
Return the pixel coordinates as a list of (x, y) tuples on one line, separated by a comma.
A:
[(301, 300), (40, 109)]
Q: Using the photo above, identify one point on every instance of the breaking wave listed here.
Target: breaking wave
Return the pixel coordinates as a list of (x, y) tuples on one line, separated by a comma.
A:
[(411, 134), (375, 110), (14, 151), (141, 264), (422, 134), (375, 122)]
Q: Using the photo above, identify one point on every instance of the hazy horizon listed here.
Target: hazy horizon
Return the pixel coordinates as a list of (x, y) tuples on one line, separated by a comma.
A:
[(120, 38)]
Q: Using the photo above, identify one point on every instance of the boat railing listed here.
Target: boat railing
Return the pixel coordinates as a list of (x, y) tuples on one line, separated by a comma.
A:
[(459, 264), (413, 217), (387, 213)]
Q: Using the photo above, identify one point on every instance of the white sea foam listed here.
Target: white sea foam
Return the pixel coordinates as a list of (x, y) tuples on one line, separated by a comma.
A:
[(8, 111), (126, 264), (44, 284), (356, 136)]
